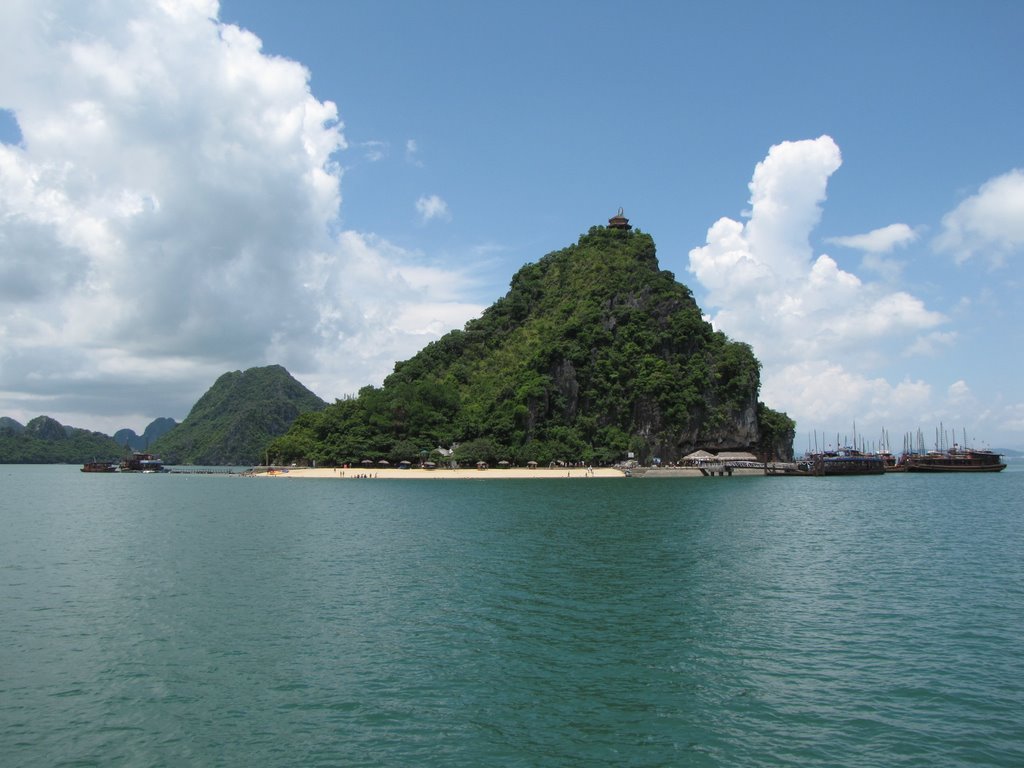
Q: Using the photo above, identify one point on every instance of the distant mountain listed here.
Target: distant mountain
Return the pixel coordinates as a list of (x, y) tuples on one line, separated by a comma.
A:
[(46, 441), (45, 428), (156, 429), (237, 417), (10, 426)]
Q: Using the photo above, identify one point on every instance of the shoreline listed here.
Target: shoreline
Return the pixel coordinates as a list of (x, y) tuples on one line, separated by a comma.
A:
[(392, 473), (500, 473)]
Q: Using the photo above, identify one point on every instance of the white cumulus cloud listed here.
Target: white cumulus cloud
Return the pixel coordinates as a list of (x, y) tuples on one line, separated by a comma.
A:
[(171, 213), (958, 391), (989, 224), (800, 312), (822, 393)]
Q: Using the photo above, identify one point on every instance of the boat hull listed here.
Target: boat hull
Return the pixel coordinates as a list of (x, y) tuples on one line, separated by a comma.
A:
[(844, 462), (955, 461), (99, 467), (851, 468), (142, 462), (955, 468)]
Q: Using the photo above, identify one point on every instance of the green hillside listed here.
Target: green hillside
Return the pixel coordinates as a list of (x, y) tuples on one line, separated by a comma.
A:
[(594, 353), (46, 441), (236, 418)]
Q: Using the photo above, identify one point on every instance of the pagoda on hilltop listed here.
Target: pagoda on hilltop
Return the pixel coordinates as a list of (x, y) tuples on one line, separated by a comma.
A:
[(618, 221)]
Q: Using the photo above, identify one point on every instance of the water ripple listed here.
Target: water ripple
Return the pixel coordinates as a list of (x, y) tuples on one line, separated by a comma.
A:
[(753, 621)]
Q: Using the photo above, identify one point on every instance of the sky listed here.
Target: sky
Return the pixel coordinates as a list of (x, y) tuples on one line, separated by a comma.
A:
[(190, 187)]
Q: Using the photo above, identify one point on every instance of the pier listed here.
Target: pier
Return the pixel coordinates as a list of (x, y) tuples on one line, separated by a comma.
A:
[(205, 471)]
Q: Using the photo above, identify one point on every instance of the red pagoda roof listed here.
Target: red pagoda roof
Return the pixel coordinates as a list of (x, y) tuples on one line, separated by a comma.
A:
[(618, 221)]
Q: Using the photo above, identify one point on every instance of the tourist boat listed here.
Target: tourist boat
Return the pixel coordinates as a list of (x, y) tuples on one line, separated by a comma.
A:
[(142, 462), (890, 461), (954, 460), (99, 466), (842, 462)]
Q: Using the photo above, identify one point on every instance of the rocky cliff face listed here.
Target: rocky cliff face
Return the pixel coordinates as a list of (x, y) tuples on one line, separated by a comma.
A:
[(627, 350), (45, 428), (658, 435)]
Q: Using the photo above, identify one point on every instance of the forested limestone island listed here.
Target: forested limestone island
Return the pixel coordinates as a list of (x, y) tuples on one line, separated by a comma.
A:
[(230, 424), (595, 353), (155, 430), (46, 441), (234, 420)]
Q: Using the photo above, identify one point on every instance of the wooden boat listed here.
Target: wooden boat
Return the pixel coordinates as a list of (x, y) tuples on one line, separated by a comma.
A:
[(99, 466), (843, 462), (142, 462), (891, 462), (954, 460)]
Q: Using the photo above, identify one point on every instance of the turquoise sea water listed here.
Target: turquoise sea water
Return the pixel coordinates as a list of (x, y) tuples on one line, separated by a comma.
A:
[(157, 620)]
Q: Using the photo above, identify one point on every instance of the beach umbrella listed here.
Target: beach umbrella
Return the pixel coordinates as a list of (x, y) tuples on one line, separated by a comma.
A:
[(531, 463), (502, 463), (384, 462), (405, 463), (430, 465), (366, 461)]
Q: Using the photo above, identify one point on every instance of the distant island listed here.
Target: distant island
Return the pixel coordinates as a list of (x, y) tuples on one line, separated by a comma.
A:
[(237, 417), (595, 355), (155, 430), (230, 424), (46, 441)]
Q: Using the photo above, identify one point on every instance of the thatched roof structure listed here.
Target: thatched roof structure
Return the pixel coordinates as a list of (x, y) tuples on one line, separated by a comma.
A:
[(698, 455)]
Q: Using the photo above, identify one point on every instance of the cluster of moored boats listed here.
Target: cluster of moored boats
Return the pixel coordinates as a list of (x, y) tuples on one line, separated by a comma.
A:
[(136, 462), (852, 462)]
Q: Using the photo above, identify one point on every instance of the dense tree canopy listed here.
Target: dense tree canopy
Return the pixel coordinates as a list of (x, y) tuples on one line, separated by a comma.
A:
[(46, 441), (236, 418)]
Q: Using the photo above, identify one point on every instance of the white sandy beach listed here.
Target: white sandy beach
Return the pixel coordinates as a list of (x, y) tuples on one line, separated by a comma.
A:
[(391, 473)]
